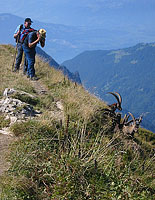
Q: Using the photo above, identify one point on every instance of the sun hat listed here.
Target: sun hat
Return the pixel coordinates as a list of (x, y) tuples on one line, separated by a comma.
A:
[(42, 33)]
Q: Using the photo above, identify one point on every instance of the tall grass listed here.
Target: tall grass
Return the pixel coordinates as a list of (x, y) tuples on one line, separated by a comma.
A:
[(9, 79), (77, 158), (52, 161)]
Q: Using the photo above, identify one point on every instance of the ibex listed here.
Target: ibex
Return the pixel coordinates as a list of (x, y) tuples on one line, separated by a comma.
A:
[(113, 107), (119, 102), (131, 127)]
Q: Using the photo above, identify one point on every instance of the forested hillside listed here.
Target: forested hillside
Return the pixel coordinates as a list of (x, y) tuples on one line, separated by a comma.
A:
[(129, 71)]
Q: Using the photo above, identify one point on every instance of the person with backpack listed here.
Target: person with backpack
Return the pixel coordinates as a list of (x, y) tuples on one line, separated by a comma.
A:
[(30, 41), (17, 34)]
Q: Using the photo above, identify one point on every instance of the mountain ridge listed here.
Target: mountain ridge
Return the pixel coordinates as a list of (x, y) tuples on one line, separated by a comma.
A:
[(64, 42), (75, 77), (129, 71)]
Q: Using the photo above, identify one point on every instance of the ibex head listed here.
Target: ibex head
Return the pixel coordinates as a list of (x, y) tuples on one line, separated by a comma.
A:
[(119, 101), (131, 127)]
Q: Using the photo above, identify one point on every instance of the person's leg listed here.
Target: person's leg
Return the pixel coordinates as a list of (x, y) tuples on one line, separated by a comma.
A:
[(25, 65), (30, 56), (19, 56), (26, 54)]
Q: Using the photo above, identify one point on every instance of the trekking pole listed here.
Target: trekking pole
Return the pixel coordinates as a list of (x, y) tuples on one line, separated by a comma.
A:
[(15, 54), (21, 26)]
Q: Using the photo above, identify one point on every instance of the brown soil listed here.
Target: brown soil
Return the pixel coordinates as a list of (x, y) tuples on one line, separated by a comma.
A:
[(39, 87), (5, 141)]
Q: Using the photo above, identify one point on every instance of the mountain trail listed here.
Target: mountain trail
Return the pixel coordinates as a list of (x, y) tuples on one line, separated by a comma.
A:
[(5, 141), (6, 138), (39, 87)]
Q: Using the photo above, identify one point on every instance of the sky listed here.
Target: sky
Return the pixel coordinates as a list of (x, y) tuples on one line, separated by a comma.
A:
[(94, 13), (104, 24)]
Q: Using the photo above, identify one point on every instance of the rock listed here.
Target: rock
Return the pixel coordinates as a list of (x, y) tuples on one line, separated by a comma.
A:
[(15, 108), (13, 120), (5, 131), (11, 91), (59, 105), (8, 92)]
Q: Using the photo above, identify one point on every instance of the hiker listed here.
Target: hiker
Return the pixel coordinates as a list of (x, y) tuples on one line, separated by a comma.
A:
[(19, 56), (29, 45)]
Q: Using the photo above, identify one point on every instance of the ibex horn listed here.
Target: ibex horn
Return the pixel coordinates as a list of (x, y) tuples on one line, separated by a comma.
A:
[(125, 119), (140, 119), (118, 99), (133, 119)]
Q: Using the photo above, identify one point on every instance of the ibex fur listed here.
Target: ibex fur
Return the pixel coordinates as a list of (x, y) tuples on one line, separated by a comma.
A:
[(131, 127)]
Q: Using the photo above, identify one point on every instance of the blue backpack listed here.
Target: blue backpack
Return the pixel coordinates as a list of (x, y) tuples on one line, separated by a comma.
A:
[(25, 33)]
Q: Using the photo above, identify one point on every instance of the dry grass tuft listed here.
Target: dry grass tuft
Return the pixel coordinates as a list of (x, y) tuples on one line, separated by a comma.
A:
[(77, 159)]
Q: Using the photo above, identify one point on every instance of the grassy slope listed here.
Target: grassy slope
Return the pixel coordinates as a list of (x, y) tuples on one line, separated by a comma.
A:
[(79, 158)]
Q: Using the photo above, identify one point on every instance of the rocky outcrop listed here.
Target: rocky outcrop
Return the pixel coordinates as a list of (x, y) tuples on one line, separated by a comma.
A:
[(15, 109)]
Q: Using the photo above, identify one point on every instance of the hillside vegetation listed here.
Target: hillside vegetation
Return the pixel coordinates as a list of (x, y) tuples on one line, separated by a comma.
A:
[(74, 155), (129, 71)]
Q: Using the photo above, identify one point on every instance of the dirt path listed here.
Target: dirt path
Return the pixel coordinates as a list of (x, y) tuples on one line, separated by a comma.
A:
[(39, 87), (5, 140)]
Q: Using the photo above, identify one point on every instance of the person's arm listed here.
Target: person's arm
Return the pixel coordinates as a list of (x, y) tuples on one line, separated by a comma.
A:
[(17, 32), (32, 44), (39, 39)]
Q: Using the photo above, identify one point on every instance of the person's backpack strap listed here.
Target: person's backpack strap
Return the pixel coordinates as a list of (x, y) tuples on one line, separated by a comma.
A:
[(24, 34)]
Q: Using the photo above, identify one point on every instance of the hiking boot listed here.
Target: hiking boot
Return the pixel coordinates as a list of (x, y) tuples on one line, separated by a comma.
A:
[(34, 78), (15, 70)]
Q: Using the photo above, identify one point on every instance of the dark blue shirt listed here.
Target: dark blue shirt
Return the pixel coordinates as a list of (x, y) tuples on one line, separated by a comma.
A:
[(31, 37)]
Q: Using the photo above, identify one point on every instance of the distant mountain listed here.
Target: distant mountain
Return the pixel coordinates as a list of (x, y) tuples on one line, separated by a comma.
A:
[(75, 77), (129, 71), (64, 42), (107, 13), (46, 57), (9, 23)]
